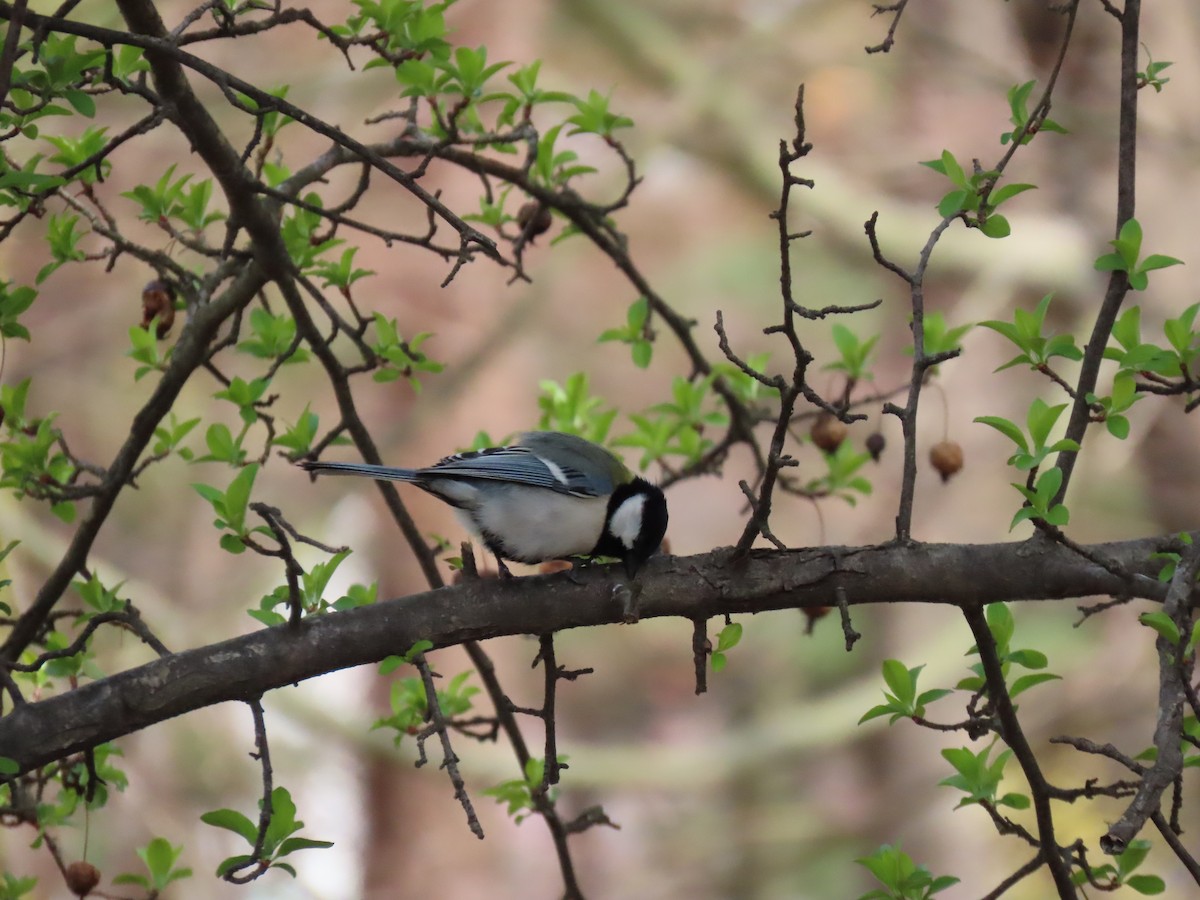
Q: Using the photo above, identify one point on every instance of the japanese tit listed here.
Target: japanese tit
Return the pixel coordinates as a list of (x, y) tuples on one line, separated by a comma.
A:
[(548, 496)]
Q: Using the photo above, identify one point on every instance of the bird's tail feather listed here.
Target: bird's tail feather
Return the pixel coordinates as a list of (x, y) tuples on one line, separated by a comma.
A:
[(381, 473)]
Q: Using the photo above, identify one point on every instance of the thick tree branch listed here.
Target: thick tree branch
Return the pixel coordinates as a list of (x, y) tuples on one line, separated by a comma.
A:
[(689, 587)]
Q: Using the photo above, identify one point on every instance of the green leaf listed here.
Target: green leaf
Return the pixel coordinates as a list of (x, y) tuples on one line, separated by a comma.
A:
[(232, 543), (1008, 191), (159, 856), (82, 102), (390, 664), (1118, 427), (1158, 261), (1047, 485), (1025, 682), (1029, 659), (931, 695), (1146, 884), (1006, 428), (1001, 623), (996, 226), (1014, 801), (232, 820), (1163, 624), (1057, 515), (1041, 418), (1018, 101), (419, 77), (952, 203), (729, 636), (292, 844), (1133, 856), (638, 313), (283, 819), (1129, 242), (237, 496), (952, 169), (1179, 331), (221, 444), (900, 680), (876, 711), (904, 879)]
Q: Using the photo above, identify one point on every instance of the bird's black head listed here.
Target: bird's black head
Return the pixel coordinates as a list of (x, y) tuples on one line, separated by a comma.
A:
[(634, 525)]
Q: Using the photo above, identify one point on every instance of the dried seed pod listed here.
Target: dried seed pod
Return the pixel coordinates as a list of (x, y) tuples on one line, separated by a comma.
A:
[(814, 614), (947, 458), (875, 444), (82, 877), (534, 219), (158, 299), (828, 432)]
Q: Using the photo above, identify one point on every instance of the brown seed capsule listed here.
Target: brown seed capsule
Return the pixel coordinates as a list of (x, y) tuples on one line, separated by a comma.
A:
[(828, 432), (947, 458), (158, 299), (534, 219), (82, 877), (814, 614), (875, 444)]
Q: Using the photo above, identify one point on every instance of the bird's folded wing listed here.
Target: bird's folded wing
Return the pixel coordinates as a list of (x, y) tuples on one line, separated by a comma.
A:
[(515, 465)]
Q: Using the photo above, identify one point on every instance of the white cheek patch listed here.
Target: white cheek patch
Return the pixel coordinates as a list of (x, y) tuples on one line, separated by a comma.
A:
[(626, 522)]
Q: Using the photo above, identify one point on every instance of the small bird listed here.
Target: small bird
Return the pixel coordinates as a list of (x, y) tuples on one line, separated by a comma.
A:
[(548, 496)]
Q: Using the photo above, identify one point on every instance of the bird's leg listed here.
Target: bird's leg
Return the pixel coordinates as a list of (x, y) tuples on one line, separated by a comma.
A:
[(501, 568)]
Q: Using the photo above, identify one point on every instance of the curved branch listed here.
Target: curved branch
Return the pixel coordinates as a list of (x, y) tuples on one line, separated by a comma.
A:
[(242, 668)]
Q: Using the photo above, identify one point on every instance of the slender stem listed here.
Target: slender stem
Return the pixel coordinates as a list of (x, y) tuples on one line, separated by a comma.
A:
[(254, 866), (512, 731), (1118, 282), (1051, 854)]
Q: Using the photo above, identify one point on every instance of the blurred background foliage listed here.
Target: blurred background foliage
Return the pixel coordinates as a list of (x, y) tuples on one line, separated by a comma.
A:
[(765, 787)]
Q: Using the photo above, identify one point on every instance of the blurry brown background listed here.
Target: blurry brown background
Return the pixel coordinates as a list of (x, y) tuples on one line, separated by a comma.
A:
[(764, 788)]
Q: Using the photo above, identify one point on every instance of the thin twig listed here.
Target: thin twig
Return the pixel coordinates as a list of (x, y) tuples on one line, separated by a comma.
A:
[(550, 773), (701, 649), (897, 10), (1168, 761), (439, 726), (848, 631), (255, 865), (1050, 852)]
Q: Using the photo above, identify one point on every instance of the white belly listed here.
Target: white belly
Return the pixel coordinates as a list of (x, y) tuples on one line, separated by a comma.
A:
[(532, 525)]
